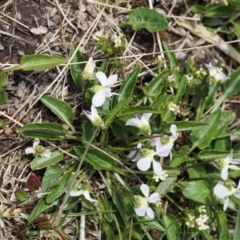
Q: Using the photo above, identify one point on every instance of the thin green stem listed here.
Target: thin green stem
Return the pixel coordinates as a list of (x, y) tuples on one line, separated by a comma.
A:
[(71, 183)]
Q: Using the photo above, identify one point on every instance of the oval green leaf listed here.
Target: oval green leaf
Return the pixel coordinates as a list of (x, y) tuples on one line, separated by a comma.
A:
[(147, 18), (128, 86), (156, 85), (60, 108), (21, 195), (76, 67), (3, 97), (185, 126), (40, 162), (39, 62), (43, 131), (3, 79), (61, 186)]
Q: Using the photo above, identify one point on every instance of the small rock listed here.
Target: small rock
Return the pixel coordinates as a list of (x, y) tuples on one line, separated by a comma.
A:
[(39, 30)]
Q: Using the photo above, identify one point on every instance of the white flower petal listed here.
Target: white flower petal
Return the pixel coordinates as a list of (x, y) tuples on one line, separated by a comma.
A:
[(136, 158), (220, 191), (173, 129), (144, 163), (86, 194), (157, 168), (29, 150), (107, 91), (237, 194), (75, 193), (154, 141), (36, 142), (221, 77), (145, 190), (140, 211), (235, 161), (153, 198), (164, 150), (98, 98), (224, 173), (47, 153), (226, 203), (112, 80), (233, 167), (88, 115), (102, 78), (94, 111), (211, 69), (150, 212), (134, 122), (146, 117)]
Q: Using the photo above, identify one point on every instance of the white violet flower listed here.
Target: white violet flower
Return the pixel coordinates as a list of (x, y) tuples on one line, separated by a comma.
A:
[(103, 91), (37, 149), (225, 165), (216, 73), (83, 191), (144, 158), (89, 69), (141, 203), (94, 117), (165, 150), (224, 192), (141, 122)]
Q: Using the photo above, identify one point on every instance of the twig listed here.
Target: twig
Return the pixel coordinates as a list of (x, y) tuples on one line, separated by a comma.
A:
[(16, 37), (82, 225)]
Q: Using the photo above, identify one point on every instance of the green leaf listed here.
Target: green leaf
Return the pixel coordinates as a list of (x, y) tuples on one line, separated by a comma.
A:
[(202, 137), (222, 225), (3, 79), (59, 188), (185, 126), (174, 64), (171, 226), (230, 88), (38, 62), (237, 227), (137, 109), (113, 114), (146, 18), (127, 88), (201, 192), (98, 160), (40, 162), (166, 186), (43, 131), (76, 69), (52, 172), (88, 130), (154, 88), (21, 195), (237, 28), (207, 155), (235, 4), (226, 118), (3, 97), (218, 10), (60, 108), (41, 206), (197, 9)]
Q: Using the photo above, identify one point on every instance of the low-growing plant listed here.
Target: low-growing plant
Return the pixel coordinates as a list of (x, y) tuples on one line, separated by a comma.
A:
[(161, 152)]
